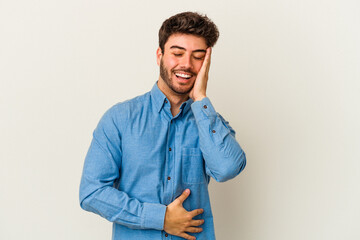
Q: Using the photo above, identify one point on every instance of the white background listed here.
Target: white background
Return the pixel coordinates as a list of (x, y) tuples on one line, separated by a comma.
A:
[(284, 73)]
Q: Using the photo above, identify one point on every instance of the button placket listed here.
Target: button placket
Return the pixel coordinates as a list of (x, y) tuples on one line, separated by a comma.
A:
[(168, 191)]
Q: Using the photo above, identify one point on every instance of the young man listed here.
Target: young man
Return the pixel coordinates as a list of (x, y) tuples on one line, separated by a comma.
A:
[(151, 158)]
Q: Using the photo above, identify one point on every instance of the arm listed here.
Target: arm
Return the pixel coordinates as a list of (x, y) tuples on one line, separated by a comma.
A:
[(100, 173), (224, 158)]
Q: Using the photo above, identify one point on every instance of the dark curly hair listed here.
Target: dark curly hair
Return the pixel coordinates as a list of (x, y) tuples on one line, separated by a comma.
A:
[(189, 23)]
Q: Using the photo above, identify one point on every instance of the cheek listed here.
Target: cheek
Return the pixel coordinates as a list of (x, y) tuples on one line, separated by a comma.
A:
[(173, 63), (170, 63), (197, 66)]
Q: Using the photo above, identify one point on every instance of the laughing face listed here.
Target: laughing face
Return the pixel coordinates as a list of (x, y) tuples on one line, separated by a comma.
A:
[(181, 61)]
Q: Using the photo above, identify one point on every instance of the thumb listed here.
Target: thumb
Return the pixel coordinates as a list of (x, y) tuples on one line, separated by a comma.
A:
[(183, 196)]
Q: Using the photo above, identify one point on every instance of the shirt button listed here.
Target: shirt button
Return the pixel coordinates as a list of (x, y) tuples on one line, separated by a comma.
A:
[(166, 235), (166, 101), (170, 149), (205, 106), (169, 178), (213, 131)]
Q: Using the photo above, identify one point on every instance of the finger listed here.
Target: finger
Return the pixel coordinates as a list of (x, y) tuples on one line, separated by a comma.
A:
[(197, 222), (183, 196), (193, 229), (208, 55), (187, 236), (208, 58), (206, 64), (196, 212)]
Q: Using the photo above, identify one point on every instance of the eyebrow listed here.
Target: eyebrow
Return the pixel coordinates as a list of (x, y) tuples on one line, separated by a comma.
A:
[(181, 48)]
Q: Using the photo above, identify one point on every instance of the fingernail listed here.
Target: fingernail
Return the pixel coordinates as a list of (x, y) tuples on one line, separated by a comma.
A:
[(187, 191)]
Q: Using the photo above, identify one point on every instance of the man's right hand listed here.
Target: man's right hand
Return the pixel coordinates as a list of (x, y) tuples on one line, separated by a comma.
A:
[(178, 220)]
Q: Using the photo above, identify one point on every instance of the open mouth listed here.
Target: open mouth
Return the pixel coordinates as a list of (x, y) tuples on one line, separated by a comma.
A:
[(183, 76)]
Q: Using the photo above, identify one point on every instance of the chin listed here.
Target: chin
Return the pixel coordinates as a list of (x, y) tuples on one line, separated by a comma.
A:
[(181, 89)]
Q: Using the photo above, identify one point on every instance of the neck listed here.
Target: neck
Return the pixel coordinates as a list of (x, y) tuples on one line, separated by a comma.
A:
[(175, 99)]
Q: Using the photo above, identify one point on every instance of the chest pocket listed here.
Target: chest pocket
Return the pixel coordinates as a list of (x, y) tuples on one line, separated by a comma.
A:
[(193, 169)]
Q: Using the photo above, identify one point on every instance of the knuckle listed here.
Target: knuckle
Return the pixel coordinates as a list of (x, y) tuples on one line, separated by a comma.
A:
[(184, 236), (185, 226)]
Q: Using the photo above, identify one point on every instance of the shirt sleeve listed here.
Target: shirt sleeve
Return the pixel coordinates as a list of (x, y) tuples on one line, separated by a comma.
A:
[(101, 172), (223, 156)]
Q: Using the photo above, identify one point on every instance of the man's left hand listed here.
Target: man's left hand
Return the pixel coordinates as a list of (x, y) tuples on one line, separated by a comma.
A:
[(199, 90)]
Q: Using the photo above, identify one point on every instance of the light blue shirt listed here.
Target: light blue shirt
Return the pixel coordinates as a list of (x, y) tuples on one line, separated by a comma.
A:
[(141, 158)]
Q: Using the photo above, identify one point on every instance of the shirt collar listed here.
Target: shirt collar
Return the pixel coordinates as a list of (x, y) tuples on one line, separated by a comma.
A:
[(159, 98), (185, 106)]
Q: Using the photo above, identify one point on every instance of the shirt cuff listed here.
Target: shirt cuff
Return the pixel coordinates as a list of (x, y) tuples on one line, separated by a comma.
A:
[(203, 109), (153, 216)]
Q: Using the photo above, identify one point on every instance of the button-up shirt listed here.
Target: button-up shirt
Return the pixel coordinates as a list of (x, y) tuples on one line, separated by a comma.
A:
[(141, 158)]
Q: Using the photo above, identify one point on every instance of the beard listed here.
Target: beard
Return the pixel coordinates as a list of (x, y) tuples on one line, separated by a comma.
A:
[(164, 74)]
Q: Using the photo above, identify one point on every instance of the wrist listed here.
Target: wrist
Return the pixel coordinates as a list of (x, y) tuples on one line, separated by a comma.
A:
[(199, 98)]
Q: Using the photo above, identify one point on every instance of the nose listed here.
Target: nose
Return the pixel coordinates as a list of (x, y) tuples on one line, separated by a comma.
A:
[(186, 62)]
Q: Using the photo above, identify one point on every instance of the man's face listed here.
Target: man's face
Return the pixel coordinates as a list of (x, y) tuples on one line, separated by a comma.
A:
[(181, 61)]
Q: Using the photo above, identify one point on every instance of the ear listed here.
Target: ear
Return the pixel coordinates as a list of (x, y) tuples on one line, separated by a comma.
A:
[(158, 56)]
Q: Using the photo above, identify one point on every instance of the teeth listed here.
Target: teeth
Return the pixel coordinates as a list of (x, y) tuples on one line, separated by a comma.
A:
[(183, 75)]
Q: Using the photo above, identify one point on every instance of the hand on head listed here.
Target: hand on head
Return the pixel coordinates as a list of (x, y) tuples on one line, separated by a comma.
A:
[(199, 90)]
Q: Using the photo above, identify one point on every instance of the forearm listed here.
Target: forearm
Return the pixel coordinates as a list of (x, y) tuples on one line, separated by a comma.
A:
[(98, 195), (224, 158), (116, 206)]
